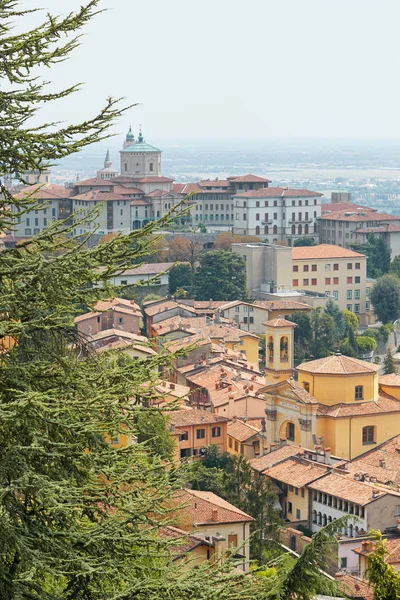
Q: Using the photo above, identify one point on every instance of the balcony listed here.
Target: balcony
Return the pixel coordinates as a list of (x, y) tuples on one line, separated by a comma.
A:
[(266, 222)]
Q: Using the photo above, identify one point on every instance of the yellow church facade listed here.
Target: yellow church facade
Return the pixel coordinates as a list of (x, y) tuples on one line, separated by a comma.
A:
[(337, 402)]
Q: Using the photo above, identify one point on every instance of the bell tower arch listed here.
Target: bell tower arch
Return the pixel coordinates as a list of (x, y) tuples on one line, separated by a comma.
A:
[(279, 342)]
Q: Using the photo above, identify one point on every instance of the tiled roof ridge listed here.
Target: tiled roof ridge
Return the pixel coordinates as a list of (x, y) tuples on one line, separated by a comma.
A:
[(232, 508)]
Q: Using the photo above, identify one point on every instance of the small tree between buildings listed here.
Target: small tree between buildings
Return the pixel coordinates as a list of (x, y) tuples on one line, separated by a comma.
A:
[(221, 275), (184, 249), (323, 334), (385, 298), (332, 309), (180, 276), (304, 241), (388, 363)]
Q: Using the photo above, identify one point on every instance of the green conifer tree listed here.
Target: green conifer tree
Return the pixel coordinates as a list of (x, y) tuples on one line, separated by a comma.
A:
[(388, 363)]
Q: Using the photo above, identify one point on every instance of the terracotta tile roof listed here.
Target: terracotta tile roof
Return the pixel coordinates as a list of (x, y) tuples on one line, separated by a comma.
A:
[(323, 251), (392, 546), (360, 215), (153, 179), (249, 178), (47, 191), (384, 404), (354, 587), (102, 305), (190, 340), (296, 471), (206, 508), (393, 379), (119, 333), (215, 183), (283, 305), (185, 188), (338, 364), (86, 316), (343, 206), (96, 181), (184, 542), (279, 322), (200, 304), (172, 389), (241, 431), (277, 192), (122, 179), (98, 196), (127, 191), (275, 457), (382, 462), (187, 417), (382, 229), (351, 490), (148, 269), (153, 308), (157, 193)]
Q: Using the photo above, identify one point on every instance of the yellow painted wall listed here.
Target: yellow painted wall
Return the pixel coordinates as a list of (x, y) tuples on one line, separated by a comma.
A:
[(333, 389), (297, 503), (249, 345), (392, 390), (283, 429), (344, 436)]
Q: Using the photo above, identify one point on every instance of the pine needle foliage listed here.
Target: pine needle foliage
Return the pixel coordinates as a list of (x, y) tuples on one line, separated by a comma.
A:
[(79, 519)]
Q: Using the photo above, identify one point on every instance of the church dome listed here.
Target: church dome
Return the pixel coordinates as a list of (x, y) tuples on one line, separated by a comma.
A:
[(129, 136)]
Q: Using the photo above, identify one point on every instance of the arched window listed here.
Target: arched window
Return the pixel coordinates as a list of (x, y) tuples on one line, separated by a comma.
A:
[(368, 434), (294, 229), (319, 519), (257, 230), (266, 230), (290, 432), (275, 229), (324, 520), (300, 229), (284, 348), (314, 516), (329, 519), (293, 542), (350, 530), (151, 167), (125, 166), (270, 349), (306, 228)]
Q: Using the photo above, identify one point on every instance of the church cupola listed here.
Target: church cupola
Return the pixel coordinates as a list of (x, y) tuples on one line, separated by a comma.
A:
[(130, 138), (279, 349), (140, 137)]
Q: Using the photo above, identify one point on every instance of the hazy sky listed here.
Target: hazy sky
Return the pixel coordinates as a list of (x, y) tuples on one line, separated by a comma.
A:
[(240, 70)]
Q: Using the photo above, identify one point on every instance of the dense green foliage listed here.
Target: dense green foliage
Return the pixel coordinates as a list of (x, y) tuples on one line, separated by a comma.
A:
[(385, 298), (221, 275), (388, 363), (378, 256), (381, 575), (323, 333), (180, 277), (304, 241)]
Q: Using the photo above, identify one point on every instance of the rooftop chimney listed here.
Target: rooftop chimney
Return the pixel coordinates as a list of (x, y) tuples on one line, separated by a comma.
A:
[(215, 514)]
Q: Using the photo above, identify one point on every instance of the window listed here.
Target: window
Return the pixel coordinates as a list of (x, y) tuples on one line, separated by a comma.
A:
[(306, 386), (313, 282), (36, 221), (343, 562), (356, 294), (200, 434), (295, 267), (184, 436), (336, 295), (236, 446), (251, 319), (327, 281), (216, 432), (296, 491), (257, 203), (124, 282), (305, 281), (266, 203), (358, 266), (290, 432), (358, 395), (336, 280), (28, 231), (349, 266), (305, 267), (336, 267), (275, 216), (368, 434), (313, 267), (257, 217), (245, 320), (349, 307), (295, 282), (125, 166), (297, 513), (367, 306), (357, 279), (327, 267), (327, 294), (357, 309), (302, 492), (45, 222), (289, 507), (120, 320), (349, 295), (275, 202), (367, 292), (349, 280)]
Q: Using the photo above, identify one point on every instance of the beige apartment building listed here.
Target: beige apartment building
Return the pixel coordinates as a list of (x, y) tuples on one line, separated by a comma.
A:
[(339, 273), (308, 274)]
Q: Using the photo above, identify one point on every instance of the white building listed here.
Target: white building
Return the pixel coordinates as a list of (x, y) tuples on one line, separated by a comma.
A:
[(279, 214), (139, 159)]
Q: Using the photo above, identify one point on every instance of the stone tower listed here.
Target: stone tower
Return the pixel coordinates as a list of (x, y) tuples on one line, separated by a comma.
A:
[(107, 172), (139, 159)]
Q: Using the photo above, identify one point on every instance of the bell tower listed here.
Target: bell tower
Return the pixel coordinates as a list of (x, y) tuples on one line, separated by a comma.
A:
[(279, 341)]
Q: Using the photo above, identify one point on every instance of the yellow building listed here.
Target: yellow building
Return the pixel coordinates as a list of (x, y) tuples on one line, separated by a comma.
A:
[(337, 402)]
